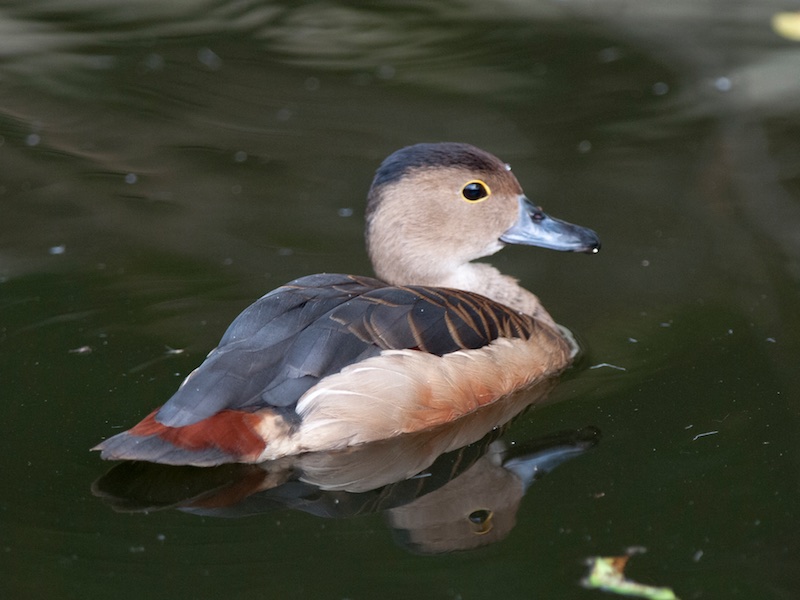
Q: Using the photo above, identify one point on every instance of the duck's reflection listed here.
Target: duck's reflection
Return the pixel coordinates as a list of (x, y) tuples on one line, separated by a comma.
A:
[(452, 488)]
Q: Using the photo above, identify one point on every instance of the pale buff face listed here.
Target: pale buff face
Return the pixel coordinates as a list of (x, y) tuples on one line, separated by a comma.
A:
[(422, 224)]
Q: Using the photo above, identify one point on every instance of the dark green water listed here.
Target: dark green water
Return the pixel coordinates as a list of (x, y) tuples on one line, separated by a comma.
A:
[(164, 164)]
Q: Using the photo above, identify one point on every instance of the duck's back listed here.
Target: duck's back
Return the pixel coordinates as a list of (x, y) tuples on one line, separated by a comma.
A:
[(268, 379)]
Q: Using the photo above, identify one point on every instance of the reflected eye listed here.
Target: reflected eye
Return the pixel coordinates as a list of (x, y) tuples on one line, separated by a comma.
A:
[(475, 191), (480, 521)]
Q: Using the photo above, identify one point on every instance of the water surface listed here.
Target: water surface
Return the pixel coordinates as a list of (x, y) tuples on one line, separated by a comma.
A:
[(166, 164)]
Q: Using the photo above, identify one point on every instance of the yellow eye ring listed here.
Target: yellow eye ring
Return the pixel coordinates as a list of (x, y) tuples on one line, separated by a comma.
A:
[(481, 521), (475, 191)]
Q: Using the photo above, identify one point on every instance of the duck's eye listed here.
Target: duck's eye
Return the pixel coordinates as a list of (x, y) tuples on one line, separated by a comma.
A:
[(480, 521), (475, 191)]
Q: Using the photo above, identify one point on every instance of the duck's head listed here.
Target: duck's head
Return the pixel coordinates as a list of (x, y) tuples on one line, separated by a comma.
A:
[(433, 208)]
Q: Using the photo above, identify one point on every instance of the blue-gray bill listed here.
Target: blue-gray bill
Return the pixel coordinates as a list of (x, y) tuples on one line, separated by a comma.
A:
[(535, 228)]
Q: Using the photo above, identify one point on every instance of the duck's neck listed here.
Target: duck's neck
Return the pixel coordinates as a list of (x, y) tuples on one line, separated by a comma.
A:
[(483, 279), (486, 280)]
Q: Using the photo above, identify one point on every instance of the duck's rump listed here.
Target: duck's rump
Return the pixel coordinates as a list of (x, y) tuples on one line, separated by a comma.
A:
[(271, 374)]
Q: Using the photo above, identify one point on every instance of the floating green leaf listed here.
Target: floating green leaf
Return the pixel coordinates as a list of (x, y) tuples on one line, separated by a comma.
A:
[(607, 574)]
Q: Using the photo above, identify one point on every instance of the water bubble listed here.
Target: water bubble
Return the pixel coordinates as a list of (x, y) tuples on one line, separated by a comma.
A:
[(584, 146), (102, 62), (57, 250), (154, 62), (386, 72), (240, 156), (660, 88), (607, 55), (33, 139), (131, 178), (345, 212), (284, 115), (311, 84), (209, 58), (723, 84)]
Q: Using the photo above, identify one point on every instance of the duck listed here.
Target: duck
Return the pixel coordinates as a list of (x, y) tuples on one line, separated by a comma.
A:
[(331, 361)]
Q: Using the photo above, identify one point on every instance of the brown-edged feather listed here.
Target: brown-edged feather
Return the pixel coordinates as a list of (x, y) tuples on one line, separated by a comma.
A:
[(296, 336)]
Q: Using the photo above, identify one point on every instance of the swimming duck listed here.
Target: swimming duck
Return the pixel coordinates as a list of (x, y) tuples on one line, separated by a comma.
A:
[(329, 361)]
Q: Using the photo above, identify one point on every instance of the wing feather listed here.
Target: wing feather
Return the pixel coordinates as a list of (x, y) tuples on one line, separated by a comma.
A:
[(293, 337)]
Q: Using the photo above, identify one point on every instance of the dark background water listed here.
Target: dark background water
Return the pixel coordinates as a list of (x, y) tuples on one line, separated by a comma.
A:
[(164, 164)]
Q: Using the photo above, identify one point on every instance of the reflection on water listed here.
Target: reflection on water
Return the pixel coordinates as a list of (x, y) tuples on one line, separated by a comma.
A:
[(462, 499), (166, 163)]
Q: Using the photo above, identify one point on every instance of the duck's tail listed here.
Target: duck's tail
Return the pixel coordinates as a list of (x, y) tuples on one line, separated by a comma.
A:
[(229, 436)]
